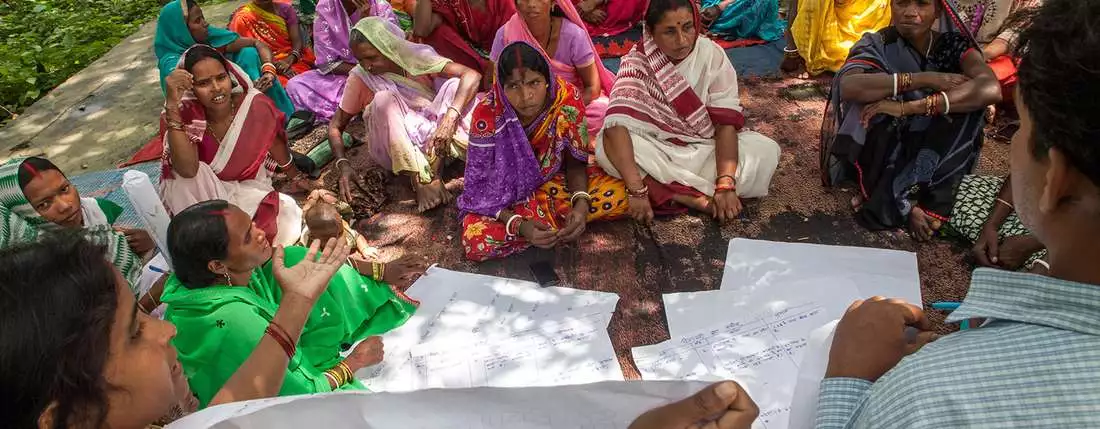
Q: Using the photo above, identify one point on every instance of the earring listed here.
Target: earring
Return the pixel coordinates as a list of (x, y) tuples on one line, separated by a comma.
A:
[(228, 281)]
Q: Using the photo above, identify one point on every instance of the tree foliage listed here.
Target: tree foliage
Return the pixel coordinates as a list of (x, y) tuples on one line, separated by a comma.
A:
[(46, 41)]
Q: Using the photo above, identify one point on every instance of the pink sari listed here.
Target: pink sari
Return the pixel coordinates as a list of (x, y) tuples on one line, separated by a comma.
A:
[(515, 30), (237, 169)]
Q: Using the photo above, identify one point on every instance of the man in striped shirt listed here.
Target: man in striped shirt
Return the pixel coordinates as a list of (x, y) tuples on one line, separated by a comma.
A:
[(1036, 361)]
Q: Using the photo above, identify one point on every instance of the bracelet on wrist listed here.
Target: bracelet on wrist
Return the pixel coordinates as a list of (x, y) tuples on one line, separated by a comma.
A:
[(580, 195), (638, 193)]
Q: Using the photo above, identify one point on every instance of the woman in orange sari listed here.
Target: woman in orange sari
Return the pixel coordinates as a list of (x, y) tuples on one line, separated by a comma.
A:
[(276, 24)]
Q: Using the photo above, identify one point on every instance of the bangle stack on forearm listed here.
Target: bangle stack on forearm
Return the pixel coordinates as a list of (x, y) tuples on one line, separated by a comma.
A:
[(339, 375)]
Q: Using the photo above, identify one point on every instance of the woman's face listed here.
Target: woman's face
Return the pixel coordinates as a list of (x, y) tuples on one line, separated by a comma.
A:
[(55, 199), (144, 375), (527, 91), (196, 24), (913, 17), (534, 10), (248, 245), (211, 83), (372, 60), (675, 33)]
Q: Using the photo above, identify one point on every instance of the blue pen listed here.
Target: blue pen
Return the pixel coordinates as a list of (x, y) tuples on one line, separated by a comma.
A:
[(157, 269), (946, 305)]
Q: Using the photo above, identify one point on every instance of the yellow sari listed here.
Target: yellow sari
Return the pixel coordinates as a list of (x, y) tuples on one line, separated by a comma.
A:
[(825, 30)]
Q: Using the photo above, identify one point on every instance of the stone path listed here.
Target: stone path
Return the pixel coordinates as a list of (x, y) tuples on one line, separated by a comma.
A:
[(104, 113)]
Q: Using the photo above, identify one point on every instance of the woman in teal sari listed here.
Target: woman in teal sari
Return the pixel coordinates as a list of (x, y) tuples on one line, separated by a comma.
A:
[(223, 295), (179, 28)]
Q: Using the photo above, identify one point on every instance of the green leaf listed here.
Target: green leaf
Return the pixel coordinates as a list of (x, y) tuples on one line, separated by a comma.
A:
[(39, 8), (31, 80)]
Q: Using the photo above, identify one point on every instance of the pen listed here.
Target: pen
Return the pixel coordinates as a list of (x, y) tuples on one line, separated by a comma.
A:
[(157, 269), (946, 305)]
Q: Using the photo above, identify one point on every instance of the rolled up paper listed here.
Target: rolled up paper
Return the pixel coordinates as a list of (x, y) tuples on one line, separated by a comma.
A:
[(143, 196)]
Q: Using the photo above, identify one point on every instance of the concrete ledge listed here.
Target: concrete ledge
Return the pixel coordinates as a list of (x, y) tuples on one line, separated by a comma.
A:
[(103, 114)]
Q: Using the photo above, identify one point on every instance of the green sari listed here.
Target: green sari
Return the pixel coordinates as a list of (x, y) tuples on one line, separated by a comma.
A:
[(219, 326), (173, 39)]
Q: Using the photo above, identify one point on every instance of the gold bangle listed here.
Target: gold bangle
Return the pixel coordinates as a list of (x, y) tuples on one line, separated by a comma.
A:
[(348, 374)]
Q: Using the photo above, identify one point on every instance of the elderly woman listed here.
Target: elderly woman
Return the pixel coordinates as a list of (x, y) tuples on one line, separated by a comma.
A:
[(673, 129), (225, 292), (181, 24), (528, 151), (276, 25), (37, 199), (104, 364), (906, 117), (415, 104), (555, 28), (463, 30), (320, 91), (225, 140)]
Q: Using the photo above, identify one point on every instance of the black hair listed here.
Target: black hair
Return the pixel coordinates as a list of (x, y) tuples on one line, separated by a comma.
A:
[(58, 299), (188, 4), (658, 8), (1059, 72), (521, 55), (323, 214), (198, 53), (37, 165), (196, 236)]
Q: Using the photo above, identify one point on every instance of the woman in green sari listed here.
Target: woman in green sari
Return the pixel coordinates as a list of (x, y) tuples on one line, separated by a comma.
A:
[(223, 295), (178, 28)]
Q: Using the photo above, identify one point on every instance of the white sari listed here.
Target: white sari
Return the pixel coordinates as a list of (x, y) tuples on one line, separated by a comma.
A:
[(670, 111)]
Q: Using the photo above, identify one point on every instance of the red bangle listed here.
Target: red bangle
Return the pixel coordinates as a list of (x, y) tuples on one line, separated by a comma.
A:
[(724, 188), (280, 336)]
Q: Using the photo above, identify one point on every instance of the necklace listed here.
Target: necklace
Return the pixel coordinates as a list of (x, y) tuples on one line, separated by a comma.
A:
[(233, 111), (928, 50)]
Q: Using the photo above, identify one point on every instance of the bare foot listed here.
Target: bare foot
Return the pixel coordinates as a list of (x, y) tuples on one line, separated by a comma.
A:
[(430, 195), (700, 203), (857, 203), (922, 226)]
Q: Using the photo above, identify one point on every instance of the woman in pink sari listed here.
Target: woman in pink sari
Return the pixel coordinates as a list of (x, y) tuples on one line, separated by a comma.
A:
[(224, 141), (566, 42), (415, 104), (319, 90)]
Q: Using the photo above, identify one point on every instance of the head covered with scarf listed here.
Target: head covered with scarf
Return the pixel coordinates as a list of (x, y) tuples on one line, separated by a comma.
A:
[(21, 223), (173, 38), (506, 161)]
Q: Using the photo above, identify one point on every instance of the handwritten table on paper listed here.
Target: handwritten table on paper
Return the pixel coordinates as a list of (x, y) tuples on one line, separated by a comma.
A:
[(762, 351)]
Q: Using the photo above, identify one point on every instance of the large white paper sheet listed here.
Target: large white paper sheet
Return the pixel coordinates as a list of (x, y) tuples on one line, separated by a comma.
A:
[(458, 310), (608, 405), (761, 349), (753, 265), (688, 312), (579, 353)]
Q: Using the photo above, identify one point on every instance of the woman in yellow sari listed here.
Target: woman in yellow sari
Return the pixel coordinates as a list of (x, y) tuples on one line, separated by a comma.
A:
[(823, 31), (276, 24)]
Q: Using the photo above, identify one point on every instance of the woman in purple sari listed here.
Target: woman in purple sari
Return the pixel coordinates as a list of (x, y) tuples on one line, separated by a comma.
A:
[(319, 91)]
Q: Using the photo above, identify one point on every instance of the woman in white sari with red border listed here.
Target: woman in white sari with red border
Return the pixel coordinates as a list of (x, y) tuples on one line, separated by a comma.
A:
[(673, 126), (223, 141)]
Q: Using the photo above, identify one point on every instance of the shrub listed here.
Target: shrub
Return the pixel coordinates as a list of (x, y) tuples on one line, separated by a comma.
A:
[(47, 41)]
